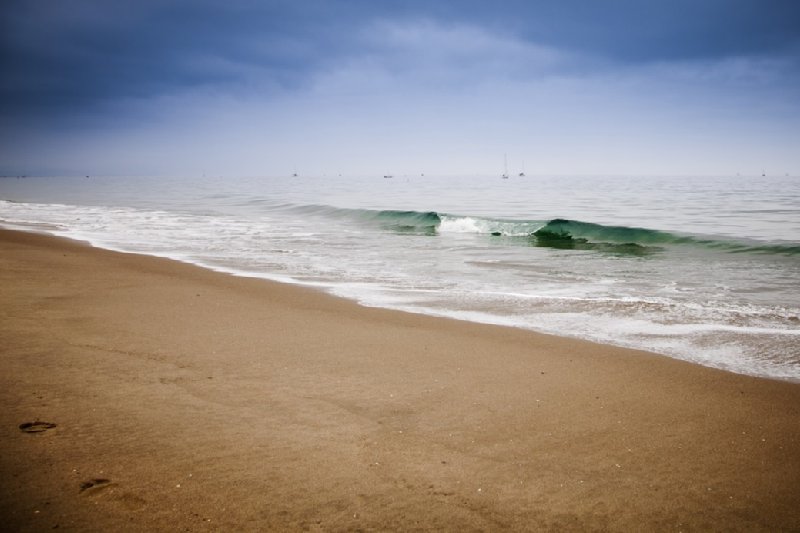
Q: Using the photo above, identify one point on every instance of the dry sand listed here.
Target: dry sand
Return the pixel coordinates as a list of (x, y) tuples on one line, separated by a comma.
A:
[(191, 400)]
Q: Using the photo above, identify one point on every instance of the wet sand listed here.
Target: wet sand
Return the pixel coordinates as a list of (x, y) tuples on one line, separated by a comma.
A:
[(185, 399)]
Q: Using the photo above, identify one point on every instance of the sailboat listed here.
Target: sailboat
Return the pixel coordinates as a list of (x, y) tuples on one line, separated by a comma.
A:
[(522, 173), (505, 167)]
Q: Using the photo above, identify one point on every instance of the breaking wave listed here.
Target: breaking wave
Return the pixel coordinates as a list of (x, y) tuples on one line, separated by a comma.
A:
[(556, 233)]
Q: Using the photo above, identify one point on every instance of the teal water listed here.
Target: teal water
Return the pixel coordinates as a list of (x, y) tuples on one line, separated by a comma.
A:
[(701, 269)]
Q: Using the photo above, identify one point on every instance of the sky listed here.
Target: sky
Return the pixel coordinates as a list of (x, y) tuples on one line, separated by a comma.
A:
[(251, 88)]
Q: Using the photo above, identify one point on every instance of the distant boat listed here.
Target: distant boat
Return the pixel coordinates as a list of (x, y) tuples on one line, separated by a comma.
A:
[(387, 176), (522, 173), (505, 167)]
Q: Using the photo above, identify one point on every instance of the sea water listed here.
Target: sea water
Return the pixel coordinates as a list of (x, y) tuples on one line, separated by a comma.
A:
[(701, 269)]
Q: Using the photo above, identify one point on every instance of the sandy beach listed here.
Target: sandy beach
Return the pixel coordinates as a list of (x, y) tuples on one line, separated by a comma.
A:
[(184, 399)]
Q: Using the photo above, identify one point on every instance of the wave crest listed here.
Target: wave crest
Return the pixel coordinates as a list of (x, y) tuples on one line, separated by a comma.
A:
[(557, 233)]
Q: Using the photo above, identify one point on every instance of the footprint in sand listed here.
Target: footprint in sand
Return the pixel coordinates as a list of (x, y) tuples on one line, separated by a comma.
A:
[(95, 484), (36, 427), (95, 489)]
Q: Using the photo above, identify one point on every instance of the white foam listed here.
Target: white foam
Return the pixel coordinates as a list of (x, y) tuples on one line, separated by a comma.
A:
[(476, 225), (460, 225)]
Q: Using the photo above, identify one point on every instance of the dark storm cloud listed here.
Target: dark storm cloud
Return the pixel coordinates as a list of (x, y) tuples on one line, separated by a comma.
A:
[(65, 56), (68, 55), (637, 31)]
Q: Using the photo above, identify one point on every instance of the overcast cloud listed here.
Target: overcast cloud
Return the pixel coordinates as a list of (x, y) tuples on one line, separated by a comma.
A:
[(255, 88)]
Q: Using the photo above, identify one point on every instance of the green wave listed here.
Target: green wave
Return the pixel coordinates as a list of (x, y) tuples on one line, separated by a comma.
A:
[(407, 222), (574, 234), (557, 233), (621, 240), (560, 227)]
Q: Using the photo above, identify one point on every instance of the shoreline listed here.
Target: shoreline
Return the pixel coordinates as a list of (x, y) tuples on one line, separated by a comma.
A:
[(735, 322), (192, 398), (322, 291)]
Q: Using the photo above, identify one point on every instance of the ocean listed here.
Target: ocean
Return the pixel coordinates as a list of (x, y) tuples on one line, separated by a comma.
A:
[(704, 269)]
